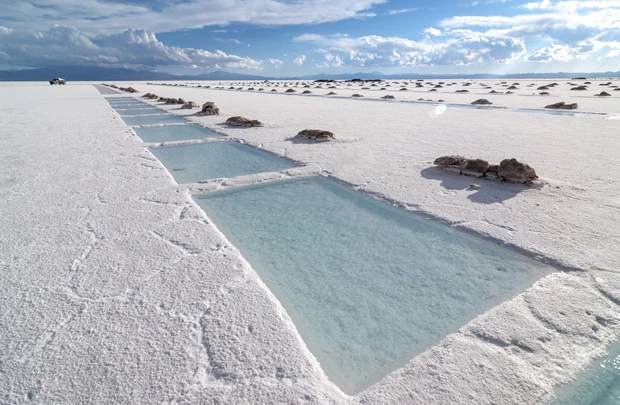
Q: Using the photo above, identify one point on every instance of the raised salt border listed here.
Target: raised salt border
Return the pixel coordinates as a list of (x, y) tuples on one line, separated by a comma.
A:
[(116, 288)]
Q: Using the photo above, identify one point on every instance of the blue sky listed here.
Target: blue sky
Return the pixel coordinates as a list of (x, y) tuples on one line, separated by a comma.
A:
[(296, 37)]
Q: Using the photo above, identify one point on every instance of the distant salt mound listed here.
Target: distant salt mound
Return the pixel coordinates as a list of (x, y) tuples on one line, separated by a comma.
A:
[(316, 134), (563, 106), (239, 121), (209, 108), (189, 105), (510, 170)]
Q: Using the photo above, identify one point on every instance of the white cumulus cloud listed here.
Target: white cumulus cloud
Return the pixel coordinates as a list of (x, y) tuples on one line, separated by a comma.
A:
[(65, 45), (299, 60), (377, 51), (97, 17)]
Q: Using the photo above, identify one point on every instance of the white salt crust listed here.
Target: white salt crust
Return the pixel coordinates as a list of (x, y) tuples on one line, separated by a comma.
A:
[(116, 288)]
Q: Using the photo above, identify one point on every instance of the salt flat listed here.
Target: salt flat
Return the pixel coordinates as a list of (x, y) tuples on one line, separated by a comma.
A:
[(116, 288)]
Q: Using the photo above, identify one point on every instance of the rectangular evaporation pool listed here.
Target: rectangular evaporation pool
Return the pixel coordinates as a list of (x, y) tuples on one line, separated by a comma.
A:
[(154, 119), (121, 99), (129, 104), (368, 286), (139, 111), (105, 90), (212, 160), (174, 133)]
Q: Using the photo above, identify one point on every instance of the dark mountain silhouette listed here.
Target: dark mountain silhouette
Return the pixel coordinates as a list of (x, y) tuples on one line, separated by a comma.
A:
[(82, 73)]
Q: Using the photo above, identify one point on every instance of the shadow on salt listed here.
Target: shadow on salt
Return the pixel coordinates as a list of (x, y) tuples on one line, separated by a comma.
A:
[(219, 159), (369, 286)]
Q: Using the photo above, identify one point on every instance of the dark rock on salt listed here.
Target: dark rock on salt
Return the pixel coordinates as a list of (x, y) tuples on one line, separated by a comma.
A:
[(482, 101)]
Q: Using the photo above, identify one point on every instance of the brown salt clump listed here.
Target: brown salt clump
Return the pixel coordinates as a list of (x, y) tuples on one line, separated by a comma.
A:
[(189, 105), (563, 106), (450, 164), (317, 134), (492, 172), (481, 101), (514, 171), (474, 167), (240, 121), (209, 108)]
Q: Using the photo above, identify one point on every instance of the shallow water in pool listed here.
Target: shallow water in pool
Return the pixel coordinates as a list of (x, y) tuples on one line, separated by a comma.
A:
[(368, 286)]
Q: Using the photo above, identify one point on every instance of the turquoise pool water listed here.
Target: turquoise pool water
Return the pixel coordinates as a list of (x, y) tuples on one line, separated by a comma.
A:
[(154, 119), (105, 90), (212, 160), (128, 104), (368, 286), (122, 99), (139, 111), (598, 385), (174, 133)]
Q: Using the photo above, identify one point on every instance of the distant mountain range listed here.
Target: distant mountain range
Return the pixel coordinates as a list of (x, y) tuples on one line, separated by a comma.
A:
[(80, 73)]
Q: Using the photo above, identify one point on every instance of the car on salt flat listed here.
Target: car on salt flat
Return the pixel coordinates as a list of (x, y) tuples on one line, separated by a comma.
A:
[(58, 80)]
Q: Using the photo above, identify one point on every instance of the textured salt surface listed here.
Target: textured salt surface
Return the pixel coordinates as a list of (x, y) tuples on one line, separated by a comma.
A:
[(115, 288), (368, 285)]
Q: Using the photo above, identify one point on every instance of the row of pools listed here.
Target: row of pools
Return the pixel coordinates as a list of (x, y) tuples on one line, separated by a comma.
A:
[(368, 285)]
